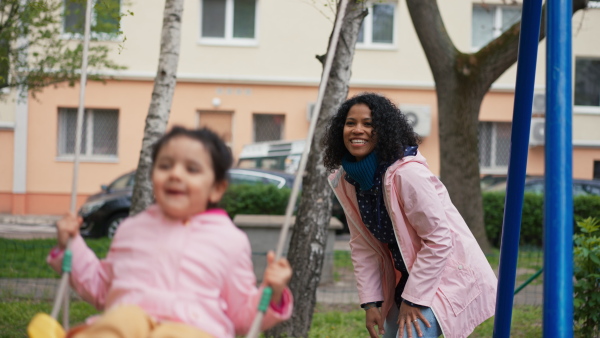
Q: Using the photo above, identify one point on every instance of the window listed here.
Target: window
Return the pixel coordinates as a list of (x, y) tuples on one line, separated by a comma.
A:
[(587, 82), (122, 183), (489, 22), (218, 121), (4, 62), (99, 134), (378, 27), (268, 127), (106, 17), (597, 170), (228, 21), (494, 146)]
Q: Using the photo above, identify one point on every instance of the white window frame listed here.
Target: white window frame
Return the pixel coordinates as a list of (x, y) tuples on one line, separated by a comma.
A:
[(493, 168), (94, 35), (229, 40), (88, 156), (368, 29), (497, 22)]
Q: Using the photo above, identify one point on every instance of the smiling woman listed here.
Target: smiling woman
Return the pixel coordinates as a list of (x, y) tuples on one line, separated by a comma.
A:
[(358, 132), (420, 270)]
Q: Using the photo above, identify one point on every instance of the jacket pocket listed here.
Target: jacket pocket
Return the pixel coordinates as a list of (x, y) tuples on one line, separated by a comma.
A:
[(458, 286)]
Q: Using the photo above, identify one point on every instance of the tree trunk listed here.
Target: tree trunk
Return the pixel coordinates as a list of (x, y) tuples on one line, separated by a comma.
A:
[(307, 244), (160, 105), (458, 107), (462, 80)]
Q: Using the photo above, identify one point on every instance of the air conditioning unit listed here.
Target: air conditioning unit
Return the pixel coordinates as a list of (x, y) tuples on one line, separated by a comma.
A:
[(310, 108), (419, 117), (536, 133), (539, 103)]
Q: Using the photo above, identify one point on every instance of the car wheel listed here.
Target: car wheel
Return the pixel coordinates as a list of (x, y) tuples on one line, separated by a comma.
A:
[(113, 224)]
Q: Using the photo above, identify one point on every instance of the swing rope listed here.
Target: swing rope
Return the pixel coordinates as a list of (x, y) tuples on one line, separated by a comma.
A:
[(41, 326), (267, 292)]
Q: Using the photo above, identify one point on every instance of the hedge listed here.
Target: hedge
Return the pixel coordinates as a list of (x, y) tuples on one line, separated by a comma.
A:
[(532, 217), (269, 200), (259, 199)]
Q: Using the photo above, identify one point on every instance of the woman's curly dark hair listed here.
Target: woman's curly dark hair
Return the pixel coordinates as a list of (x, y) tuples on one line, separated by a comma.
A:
[(393, 131)]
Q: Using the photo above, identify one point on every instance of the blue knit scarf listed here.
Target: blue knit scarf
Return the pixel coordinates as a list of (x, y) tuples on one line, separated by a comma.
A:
[(362, 171)]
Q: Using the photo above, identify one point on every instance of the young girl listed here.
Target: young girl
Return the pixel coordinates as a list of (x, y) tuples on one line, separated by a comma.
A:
[(181, 268)]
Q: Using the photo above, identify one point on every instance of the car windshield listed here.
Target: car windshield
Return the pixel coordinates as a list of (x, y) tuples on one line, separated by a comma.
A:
[(122, 182)]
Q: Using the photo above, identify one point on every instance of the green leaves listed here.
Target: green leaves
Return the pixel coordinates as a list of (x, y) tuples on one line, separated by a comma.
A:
[(587, 277), (532, 217), (258, 199), (36, 52)]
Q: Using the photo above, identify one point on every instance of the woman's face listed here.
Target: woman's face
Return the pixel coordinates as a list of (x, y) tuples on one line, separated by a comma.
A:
[(359, 137)]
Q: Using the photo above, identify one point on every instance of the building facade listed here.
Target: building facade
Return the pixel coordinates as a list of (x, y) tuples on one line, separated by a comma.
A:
[(248, 70)]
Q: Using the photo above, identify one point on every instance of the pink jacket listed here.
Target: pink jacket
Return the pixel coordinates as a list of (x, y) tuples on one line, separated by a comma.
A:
[(448, 270), (199, 273)]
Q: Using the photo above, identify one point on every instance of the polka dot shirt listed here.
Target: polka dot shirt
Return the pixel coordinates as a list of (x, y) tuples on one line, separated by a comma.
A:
[(375, 216)]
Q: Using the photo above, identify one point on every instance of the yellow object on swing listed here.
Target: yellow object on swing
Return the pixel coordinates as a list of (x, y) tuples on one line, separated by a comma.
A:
[(44, 326)]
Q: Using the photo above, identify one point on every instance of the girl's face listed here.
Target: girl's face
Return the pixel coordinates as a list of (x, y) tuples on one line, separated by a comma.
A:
[(359, 136), (183, 178)]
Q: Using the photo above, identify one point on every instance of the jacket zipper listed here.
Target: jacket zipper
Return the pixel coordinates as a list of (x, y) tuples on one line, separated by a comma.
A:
[(387, 205)]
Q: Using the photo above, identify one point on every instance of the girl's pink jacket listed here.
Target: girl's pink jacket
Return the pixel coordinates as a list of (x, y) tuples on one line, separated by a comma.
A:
[(199, 273), (448, 270)]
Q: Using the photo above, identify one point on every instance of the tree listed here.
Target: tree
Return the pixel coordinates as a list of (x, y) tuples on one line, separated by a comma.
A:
[(461, 82), (33, 54), (308, 240), (160, 105)]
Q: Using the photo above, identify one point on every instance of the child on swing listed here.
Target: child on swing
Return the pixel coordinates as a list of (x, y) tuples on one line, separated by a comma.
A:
[(180, 268)]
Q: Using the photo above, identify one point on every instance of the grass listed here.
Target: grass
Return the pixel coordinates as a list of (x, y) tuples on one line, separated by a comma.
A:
[(327, 322), (16, 314), (27, 258)]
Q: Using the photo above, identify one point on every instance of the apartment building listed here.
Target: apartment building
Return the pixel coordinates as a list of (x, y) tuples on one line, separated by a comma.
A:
[(248, 69)]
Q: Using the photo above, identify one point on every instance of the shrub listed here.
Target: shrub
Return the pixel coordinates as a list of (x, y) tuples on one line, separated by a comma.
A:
[(256, 199), (587, 278), (532, 217)]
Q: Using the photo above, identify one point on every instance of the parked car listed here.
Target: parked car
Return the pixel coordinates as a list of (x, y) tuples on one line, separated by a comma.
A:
[(536, 185), (103, 212)]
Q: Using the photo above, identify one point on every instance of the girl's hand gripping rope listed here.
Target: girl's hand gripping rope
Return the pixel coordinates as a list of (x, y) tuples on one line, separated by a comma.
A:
[(277, 276), (67, 227)]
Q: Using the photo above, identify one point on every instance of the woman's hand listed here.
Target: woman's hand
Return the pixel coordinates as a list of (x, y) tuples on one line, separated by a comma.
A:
[(410, 316), (277, 275), (374, 319), (67, 227)]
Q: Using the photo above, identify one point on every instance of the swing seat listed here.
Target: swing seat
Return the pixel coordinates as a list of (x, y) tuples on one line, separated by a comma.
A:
[(44, 326)]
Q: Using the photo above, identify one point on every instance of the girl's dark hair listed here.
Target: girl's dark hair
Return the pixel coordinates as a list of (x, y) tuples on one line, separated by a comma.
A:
[(219, 152), (393, 131)]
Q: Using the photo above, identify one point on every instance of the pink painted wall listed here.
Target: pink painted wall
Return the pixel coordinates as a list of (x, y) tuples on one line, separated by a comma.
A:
[(497, 107), (49, 179), (46, 174), (6, 160)]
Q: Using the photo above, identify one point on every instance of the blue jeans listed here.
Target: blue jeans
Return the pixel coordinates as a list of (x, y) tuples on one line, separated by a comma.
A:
[(391, 325)]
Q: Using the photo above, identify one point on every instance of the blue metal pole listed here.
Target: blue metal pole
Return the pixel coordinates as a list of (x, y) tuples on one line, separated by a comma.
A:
[(558, 208), (509, 245)]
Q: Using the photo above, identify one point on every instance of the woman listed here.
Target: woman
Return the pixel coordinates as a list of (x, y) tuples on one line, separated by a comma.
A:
[(416, 262)]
